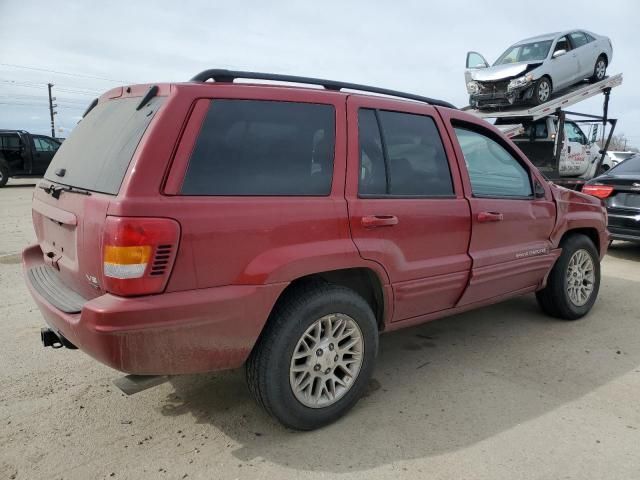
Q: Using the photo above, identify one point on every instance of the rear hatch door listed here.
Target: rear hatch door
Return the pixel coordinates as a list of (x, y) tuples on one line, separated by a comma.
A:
[(71, 203)]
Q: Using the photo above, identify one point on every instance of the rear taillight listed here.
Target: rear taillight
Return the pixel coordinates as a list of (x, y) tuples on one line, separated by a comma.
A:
[(600, 191), (138, 254)]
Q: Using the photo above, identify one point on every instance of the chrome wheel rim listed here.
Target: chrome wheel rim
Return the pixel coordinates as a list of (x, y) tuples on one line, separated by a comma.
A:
[(601, 68), (580, 277), (326, 360), (543, 91)]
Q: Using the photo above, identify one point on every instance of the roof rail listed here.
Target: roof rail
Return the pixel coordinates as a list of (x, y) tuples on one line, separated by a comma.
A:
[(228, 76)]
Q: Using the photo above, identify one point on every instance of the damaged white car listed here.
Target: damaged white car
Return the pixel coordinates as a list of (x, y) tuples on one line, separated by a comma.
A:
[(532, 69)]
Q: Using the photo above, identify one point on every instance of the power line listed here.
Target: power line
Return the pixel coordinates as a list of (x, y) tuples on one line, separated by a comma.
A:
[(80, 75)]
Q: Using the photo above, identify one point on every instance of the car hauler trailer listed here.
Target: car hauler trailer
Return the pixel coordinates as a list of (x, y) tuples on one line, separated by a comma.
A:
[(539, 131)]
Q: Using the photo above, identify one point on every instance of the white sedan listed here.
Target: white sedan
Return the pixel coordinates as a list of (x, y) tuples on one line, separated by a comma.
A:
[(531, 70)]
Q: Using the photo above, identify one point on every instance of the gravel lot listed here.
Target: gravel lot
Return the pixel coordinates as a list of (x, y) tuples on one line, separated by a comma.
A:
[(499, 393)]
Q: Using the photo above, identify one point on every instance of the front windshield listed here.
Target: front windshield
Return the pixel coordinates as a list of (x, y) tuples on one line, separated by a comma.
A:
[(528, 52)]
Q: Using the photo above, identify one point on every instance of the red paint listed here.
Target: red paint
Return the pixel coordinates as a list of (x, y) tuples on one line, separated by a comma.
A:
[(431, 256)]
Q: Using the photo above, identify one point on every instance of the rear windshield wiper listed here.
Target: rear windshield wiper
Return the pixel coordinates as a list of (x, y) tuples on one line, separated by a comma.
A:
[(55, 191)]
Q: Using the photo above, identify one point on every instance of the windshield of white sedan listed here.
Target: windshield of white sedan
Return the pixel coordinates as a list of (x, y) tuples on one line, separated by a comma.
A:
[(528, 52)]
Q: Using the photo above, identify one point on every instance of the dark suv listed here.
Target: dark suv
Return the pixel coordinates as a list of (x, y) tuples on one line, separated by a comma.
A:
[(205, 225), (25, 155)]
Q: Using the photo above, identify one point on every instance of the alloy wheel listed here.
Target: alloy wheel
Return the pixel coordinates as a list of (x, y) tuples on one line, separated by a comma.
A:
[(580, 277), (601, 69), (326, 360), (544, 90)]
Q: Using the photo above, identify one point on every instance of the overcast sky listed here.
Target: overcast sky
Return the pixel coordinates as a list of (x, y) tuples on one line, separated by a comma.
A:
[(416, 46)]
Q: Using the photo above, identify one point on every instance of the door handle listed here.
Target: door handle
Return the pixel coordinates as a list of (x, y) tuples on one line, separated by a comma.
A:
[(484, 217), (372, 221)]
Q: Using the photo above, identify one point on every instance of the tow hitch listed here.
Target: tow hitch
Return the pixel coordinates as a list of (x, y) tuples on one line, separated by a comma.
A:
[(51, 338)]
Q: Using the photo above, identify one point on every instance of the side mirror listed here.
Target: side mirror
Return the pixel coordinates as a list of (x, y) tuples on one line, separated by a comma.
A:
[(538, 189), (558, 53)]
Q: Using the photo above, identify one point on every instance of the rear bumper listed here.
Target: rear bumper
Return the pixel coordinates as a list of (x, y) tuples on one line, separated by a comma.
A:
[(170, 333), (624, 226)]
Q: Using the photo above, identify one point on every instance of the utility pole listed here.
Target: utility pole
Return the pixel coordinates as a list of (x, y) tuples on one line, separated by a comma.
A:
[(52, 112)]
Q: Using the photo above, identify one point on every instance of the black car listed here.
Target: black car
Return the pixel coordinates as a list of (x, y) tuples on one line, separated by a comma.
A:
[(25, 155), (620, 190)]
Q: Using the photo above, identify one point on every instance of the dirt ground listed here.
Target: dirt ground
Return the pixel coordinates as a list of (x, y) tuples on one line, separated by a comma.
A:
[(499, 393)]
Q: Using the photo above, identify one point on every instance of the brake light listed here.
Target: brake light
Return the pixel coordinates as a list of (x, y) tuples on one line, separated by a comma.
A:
[(138, 254), (600, 191)]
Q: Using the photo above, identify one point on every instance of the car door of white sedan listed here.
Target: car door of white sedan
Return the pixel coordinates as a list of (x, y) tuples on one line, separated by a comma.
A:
[(585, 54), (564, 68)]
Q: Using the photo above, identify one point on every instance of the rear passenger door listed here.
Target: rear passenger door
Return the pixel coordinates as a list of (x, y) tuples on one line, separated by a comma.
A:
[(512, 210), (406, 207)]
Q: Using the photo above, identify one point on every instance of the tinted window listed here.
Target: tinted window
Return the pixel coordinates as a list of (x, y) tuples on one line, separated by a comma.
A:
[(589, 37), (417, 164), (373, 176), (98, 152), (10, 142), (413, 154), (250, 147), (630, 166), (578, 39), (535, 131), (493, 171)]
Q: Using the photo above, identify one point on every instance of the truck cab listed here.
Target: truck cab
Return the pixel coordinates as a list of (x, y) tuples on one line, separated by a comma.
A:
[(25, 155), (578, 156)]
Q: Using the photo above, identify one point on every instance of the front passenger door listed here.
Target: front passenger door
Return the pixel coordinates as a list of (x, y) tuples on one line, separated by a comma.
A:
[(511, 224), (565, 66)]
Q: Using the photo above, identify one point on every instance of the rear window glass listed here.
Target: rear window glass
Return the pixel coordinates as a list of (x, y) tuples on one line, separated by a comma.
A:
[(251, 147), (98, 152)]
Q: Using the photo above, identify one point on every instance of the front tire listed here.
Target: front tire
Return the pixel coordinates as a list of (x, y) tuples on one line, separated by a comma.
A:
[(542, 91), (315, 357), (599, 69), (574, 281)]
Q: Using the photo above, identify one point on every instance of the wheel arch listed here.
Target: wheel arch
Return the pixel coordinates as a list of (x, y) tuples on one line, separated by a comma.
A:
[(362, 280), (590, 232)]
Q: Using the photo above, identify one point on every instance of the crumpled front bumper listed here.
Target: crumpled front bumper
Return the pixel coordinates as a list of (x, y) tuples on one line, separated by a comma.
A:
[(499, 96)]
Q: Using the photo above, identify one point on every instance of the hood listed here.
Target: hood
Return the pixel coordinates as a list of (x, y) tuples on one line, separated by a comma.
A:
[(502, 72)]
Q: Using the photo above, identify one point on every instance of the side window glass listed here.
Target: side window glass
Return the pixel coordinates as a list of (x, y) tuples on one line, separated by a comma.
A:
[(574, 133), (372, 178), (562, 44), (589, 37), (541, 131), (578, 39), (43, 144), (255, 147), (416, 160), (493, 171)]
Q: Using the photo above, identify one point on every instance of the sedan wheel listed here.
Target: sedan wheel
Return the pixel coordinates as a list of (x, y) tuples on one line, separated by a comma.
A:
[(542, 91), (600, 70)]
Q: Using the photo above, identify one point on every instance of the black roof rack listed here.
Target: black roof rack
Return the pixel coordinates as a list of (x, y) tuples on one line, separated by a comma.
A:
[(228, 76)]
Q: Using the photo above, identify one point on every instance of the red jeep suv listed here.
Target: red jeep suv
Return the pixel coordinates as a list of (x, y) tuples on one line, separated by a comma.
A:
[(199, 226)]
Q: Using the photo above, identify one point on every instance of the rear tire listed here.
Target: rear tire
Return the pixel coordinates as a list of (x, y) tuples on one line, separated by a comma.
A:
[(599, 69), (4, 173), (542, 91), (574, 281), (296, 390)]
